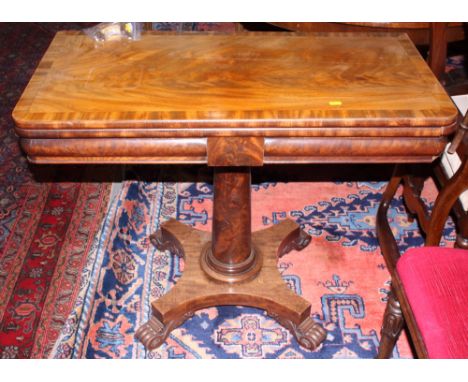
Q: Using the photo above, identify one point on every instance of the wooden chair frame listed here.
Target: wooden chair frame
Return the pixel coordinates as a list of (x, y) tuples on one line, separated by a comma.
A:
[(398, 310)]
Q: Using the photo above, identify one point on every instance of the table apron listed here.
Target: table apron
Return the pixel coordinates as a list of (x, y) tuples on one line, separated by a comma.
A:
[(275, 150)]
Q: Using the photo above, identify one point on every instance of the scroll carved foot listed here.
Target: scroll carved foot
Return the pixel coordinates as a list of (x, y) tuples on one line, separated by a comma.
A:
[(308, 333), (196, 291), (301, 240), (391, 327), (154, 332), (165, 241)]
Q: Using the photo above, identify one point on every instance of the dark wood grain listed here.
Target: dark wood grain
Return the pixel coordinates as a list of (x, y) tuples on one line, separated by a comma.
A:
[(324, 150), (235, 151), (231, 252), (136, 150), (222, 151)]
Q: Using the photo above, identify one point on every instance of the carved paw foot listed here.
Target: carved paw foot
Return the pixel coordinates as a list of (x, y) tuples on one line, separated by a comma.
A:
[(164, 241), (152, 334), (301, 241)]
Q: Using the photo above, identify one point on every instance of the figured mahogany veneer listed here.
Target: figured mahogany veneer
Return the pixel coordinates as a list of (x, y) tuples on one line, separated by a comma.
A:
[(435, 35), (200, 150), (233, 102), (191, 86)]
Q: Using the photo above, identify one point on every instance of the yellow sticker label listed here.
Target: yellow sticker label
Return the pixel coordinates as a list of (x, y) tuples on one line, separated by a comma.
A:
[(335, 103), (128, 27)]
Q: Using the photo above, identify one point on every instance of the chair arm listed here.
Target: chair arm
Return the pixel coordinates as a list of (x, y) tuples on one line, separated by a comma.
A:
[(460, 134)]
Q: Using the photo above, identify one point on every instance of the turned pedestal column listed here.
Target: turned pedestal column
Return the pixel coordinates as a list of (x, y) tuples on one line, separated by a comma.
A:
[(231, 256), (231, 266)]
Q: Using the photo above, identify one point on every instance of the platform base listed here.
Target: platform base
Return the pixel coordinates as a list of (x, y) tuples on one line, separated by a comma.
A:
[(196, 290)]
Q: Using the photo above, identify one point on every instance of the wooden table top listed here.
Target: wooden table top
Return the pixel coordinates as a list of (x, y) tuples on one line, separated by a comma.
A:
[(275, 83)]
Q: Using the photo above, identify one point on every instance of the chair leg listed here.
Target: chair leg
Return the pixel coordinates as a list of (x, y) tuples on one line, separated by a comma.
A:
[(412, 188), (462, 236), (391, 327)]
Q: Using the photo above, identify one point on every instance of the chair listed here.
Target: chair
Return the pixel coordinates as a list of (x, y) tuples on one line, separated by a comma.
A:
[(429, 290), (442, 170), (449, 162)]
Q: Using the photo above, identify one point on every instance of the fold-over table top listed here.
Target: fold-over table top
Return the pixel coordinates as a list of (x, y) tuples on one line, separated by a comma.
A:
[(274, 83)]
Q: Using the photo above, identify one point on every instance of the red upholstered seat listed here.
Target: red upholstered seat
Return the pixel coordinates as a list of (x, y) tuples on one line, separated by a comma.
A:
[(435, 281)]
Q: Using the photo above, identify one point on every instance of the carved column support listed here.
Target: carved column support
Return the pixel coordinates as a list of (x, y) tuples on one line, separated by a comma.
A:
[(231, 256), (232, 233), (198, 289)]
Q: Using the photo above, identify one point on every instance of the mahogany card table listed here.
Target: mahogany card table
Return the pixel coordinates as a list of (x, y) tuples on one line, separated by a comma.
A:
[(233, 101)]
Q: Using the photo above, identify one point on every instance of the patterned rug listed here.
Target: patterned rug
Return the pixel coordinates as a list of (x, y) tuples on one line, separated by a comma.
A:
[(342, 274), (46, 226), (42, 260), (48, 267), (48, 219)]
